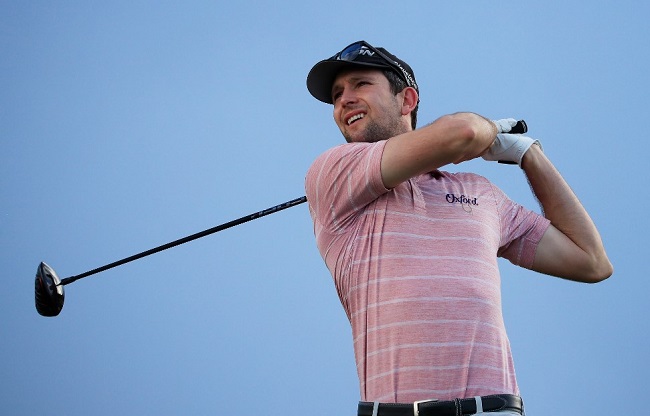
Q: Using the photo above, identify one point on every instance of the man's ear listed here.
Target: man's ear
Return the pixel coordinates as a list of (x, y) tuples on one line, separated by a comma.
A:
[(410, 100)]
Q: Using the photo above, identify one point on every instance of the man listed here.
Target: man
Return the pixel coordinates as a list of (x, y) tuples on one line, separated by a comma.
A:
[(413, 250)]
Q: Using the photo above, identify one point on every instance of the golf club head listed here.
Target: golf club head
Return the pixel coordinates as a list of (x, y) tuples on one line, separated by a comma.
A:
[(49, 293)]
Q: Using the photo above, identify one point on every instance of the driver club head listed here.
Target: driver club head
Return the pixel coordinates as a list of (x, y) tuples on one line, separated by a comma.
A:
[(49, 292)]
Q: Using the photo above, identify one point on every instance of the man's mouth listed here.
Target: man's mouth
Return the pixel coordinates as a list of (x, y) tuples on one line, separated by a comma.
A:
[(355, 118)]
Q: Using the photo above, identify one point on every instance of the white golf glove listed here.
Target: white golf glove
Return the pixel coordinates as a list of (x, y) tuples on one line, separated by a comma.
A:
[(505, 125), (510, 148)]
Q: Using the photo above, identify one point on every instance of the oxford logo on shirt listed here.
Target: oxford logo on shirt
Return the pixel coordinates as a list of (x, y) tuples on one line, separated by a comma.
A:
[(466, 202)]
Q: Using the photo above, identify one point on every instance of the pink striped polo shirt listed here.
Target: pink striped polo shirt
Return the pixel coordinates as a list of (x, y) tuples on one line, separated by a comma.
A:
[(416, 271)]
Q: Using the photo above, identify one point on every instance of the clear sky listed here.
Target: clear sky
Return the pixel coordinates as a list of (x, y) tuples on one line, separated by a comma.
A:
[(128, 124)]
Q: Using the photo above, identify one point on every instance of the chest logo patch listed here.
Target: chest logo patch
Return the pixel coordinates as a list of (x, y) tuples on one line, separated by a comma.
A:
[(466, 202)]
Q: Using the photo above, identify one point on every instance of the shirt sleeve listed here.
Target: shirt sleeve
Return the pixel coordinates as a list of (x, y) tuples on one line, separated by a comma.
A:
[(344, 180), (521, 230)]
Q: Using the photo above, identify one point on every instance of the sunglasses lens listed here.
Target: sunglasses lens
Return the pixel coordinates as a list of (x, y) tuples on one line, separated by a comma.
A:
[(351, 52)]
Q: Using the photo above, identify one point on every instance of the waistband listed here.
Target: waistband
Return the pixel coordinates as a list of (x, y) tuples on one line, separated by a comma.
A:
[(433, 407)]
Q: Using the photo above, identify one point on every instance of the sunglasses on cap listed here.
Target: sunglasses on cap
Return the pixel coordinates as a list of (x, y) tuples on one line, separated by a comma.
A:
[(362, 50)]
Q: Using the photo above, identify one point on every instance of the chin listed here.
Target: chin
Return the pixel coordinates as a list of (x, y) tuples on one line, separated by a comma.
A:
[(357, 137)]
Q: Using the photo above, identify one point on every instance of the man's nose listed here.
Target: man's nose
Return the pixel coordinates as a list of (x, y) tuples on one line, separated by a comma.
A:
[(348, 96)]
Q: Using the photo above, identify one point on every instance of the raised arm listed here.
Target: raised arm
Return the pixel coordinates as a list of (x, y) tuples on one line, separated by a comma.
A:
[(453, 138), (571, 248)]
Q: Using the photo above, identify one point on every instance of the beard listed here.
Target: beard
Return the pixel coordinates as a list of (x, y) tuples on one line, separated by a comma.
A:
[(376, 131)]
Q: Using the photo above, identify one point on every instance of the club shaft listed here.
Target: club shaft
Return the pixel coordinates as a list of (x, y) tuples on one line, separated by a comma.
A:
[(519, 128), (187, 239)]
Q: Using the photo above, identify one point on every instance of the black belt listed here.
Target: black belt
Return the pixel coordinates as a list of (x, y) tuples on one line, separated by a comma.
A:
[(493, 403)]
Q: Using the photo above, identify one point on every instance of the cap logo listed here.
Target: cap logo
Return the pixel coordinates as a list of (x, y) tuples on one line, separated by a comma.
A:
[(366, 51)]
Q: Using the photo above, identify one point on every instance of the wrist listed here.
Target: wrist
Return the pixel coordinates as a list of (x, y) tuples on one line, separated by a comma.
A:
[(494, 128), (532, 155)]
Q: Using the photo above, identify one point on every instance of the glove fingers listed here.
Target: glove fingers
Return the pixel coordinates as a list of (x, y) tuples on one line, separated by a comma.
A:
[(505, 125)]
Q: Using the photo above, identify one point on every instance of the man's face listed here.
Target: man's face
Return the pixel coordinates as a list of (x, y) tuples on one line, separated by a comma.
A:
[(365, 109)]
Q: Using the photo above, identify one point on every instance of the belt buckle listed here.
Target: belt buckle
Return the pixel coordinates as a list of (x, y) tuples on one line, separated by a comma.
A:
[(416, 405)]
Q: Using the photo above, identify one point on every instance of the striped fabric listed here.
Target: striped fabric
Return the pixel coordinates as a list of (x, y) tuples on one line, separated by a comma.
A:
[(416, 272)]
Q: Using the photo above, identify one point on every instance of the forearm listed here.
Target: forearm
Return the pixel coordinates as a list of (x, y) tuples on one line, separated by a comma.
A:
[(450, 139), (470, 136), (585, 259)]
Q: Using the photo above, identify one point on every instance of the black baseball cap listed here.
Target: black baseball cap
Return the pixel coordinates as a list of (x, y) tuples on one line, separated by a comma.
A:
[(358, 54)]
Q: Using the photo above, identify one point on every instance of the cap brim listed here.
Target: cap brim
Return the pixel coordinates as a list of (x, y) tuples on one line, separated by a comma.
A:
[(322, 76)]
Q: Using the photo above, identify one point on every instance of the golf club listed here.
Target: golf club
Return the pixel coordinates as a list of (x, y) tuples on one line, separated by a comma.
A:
[(49, 293)]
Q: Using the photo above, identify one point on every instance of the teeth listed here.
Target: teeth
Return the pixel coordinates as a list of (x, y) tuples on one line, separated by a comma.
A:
[(355, 118)]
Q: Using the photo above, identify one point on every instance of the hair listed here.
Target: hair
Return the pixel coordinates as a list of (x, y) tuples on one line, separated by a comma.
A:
[(397, 84)]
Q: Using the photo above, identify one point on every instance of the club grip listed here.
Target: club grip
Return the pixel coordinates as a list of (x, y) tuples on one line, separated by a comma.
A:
[(520, 128)]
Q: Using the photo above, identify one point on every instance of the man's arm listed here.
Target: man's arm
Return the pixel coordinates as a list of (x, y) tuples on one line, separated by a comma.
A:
[(453, 138), (571, 247)]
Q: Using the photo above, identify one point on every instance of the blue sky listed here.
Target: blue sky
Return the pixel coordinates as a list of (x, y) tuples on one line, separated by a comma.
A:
[(128, 124)]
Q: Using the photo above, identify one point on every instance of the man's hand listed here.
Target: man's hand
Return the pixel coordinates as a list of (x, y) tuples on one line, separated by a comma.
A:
[(509, 148)]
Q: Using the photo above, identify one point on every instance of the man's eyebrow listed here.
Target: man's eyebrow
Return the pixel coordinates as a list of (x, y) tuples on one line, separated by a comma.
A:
[(352, 78), (358, 77)]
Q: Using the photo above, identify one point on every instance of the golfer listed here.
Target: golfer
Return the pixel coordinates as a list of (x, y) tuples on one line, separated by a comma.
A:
[(413, 249)]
